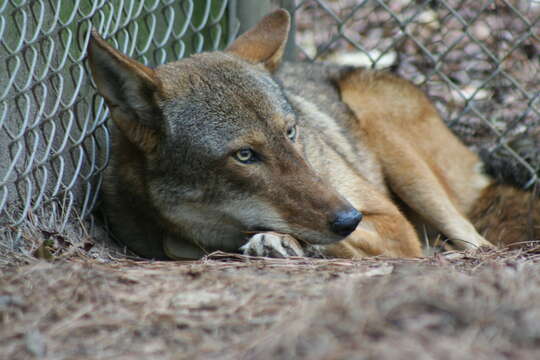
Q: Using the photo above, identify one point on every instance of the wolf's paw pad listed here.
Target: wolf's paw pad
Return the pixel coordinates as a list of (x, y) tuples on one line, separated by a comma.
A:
[(272, 245)]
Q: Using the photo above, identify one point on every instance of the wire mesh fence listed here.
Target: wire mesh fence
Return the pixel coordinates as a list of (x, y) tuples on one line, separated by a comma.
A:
[(478, 60), (53, 136)]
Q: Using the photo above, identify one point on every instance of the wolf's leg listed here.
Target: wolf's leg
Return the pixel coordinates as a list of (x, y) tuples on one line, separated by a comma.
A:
[(422, 191), (423, 162), (272, 244)]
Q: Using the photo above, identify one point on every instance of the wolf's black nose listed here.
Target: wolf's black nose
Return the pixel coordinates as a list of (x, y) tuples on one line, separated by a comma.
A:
[(345, 222)]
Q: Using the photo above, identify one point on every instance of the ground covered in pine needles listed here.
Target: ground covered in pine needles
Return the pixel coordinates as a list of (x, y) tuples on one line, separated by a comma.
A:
[(452, 305)]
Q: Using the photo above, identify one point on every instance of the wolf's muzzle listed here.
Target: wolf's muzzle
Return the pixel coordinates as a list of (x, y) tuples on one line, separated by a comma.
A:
[(345, 222)]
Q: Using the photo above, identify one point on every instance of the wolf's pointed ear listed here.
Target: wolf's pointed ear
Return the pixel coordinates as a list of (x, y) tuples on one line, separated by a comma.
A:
[(265, 43), (129, 88)]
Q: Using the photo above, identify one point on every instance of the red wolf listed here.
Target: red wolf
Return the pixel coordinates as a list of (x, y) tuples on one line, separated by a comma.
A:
[(235, 151)]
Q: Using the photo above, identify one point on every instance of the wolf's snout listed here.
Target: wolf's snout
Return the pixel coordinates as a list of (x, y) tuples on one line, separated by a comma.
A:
[(345, 222)]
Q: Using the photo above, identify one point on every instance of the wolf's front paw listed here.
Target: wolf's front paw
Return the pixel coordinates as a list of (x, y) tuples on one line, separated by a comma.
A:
[(271, 244)]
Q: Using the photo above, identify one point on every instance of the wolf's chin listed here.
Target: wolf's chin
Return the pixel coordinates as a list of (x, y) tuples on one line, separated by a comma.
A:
[(319, 240), (307, 237)]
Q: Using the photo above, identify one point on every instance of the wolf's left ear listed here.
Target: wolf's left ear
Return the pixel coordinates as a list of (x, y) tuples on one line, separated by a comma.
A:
[(265, 43), (130, 89)]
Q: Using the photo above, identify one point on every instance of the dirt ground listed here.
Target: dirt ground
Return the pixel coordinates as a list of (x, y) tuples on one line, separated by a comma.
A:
[(452, 305)]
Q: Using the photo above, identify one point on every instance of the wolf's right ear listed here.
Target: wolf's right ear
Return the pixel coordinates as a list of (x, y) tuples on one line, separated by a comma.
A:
[(130, 90), (264, 43)]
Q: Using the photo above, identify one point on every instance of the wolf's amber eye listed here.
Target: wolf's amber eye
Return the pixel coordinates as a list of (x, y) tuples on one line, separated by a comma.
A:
[(291, 133), (245, 156)]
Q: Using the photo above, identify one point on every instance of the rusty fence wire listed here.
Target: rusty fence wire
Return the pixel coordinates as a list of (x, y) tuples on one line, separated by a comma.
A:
[(478, 60), (54, 141)]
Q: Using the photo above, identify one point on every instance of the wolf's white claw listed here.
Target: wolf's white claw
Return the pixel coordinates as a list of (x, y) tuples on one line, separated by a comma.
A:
[(272, 244)]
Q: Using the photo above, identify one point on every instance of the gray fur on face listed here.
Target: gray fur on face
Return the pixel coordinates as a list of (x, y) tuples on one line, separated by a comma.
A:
[(205, 121)]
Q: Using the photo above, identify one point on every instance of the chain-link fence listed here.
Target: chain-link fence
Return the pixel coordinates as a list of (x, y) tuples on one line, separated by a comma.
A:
[(53, 138), (478, 61)]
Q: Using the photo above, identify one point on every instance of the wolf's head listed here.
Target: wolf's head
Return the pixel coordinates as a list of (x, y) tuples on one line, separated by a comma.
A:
[(219, 148)]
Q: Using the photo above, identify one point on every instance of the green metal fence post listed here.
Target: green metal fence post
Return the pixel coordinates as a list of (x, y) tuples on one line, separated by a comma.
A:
[(249, 12), (290, 50)]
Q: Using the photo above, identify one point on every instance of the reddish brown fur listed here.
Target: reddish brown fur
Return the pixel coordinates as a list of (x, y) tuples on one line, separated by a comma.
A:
[(382, 139), (259, 45), (507, 216), (423, 162)]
